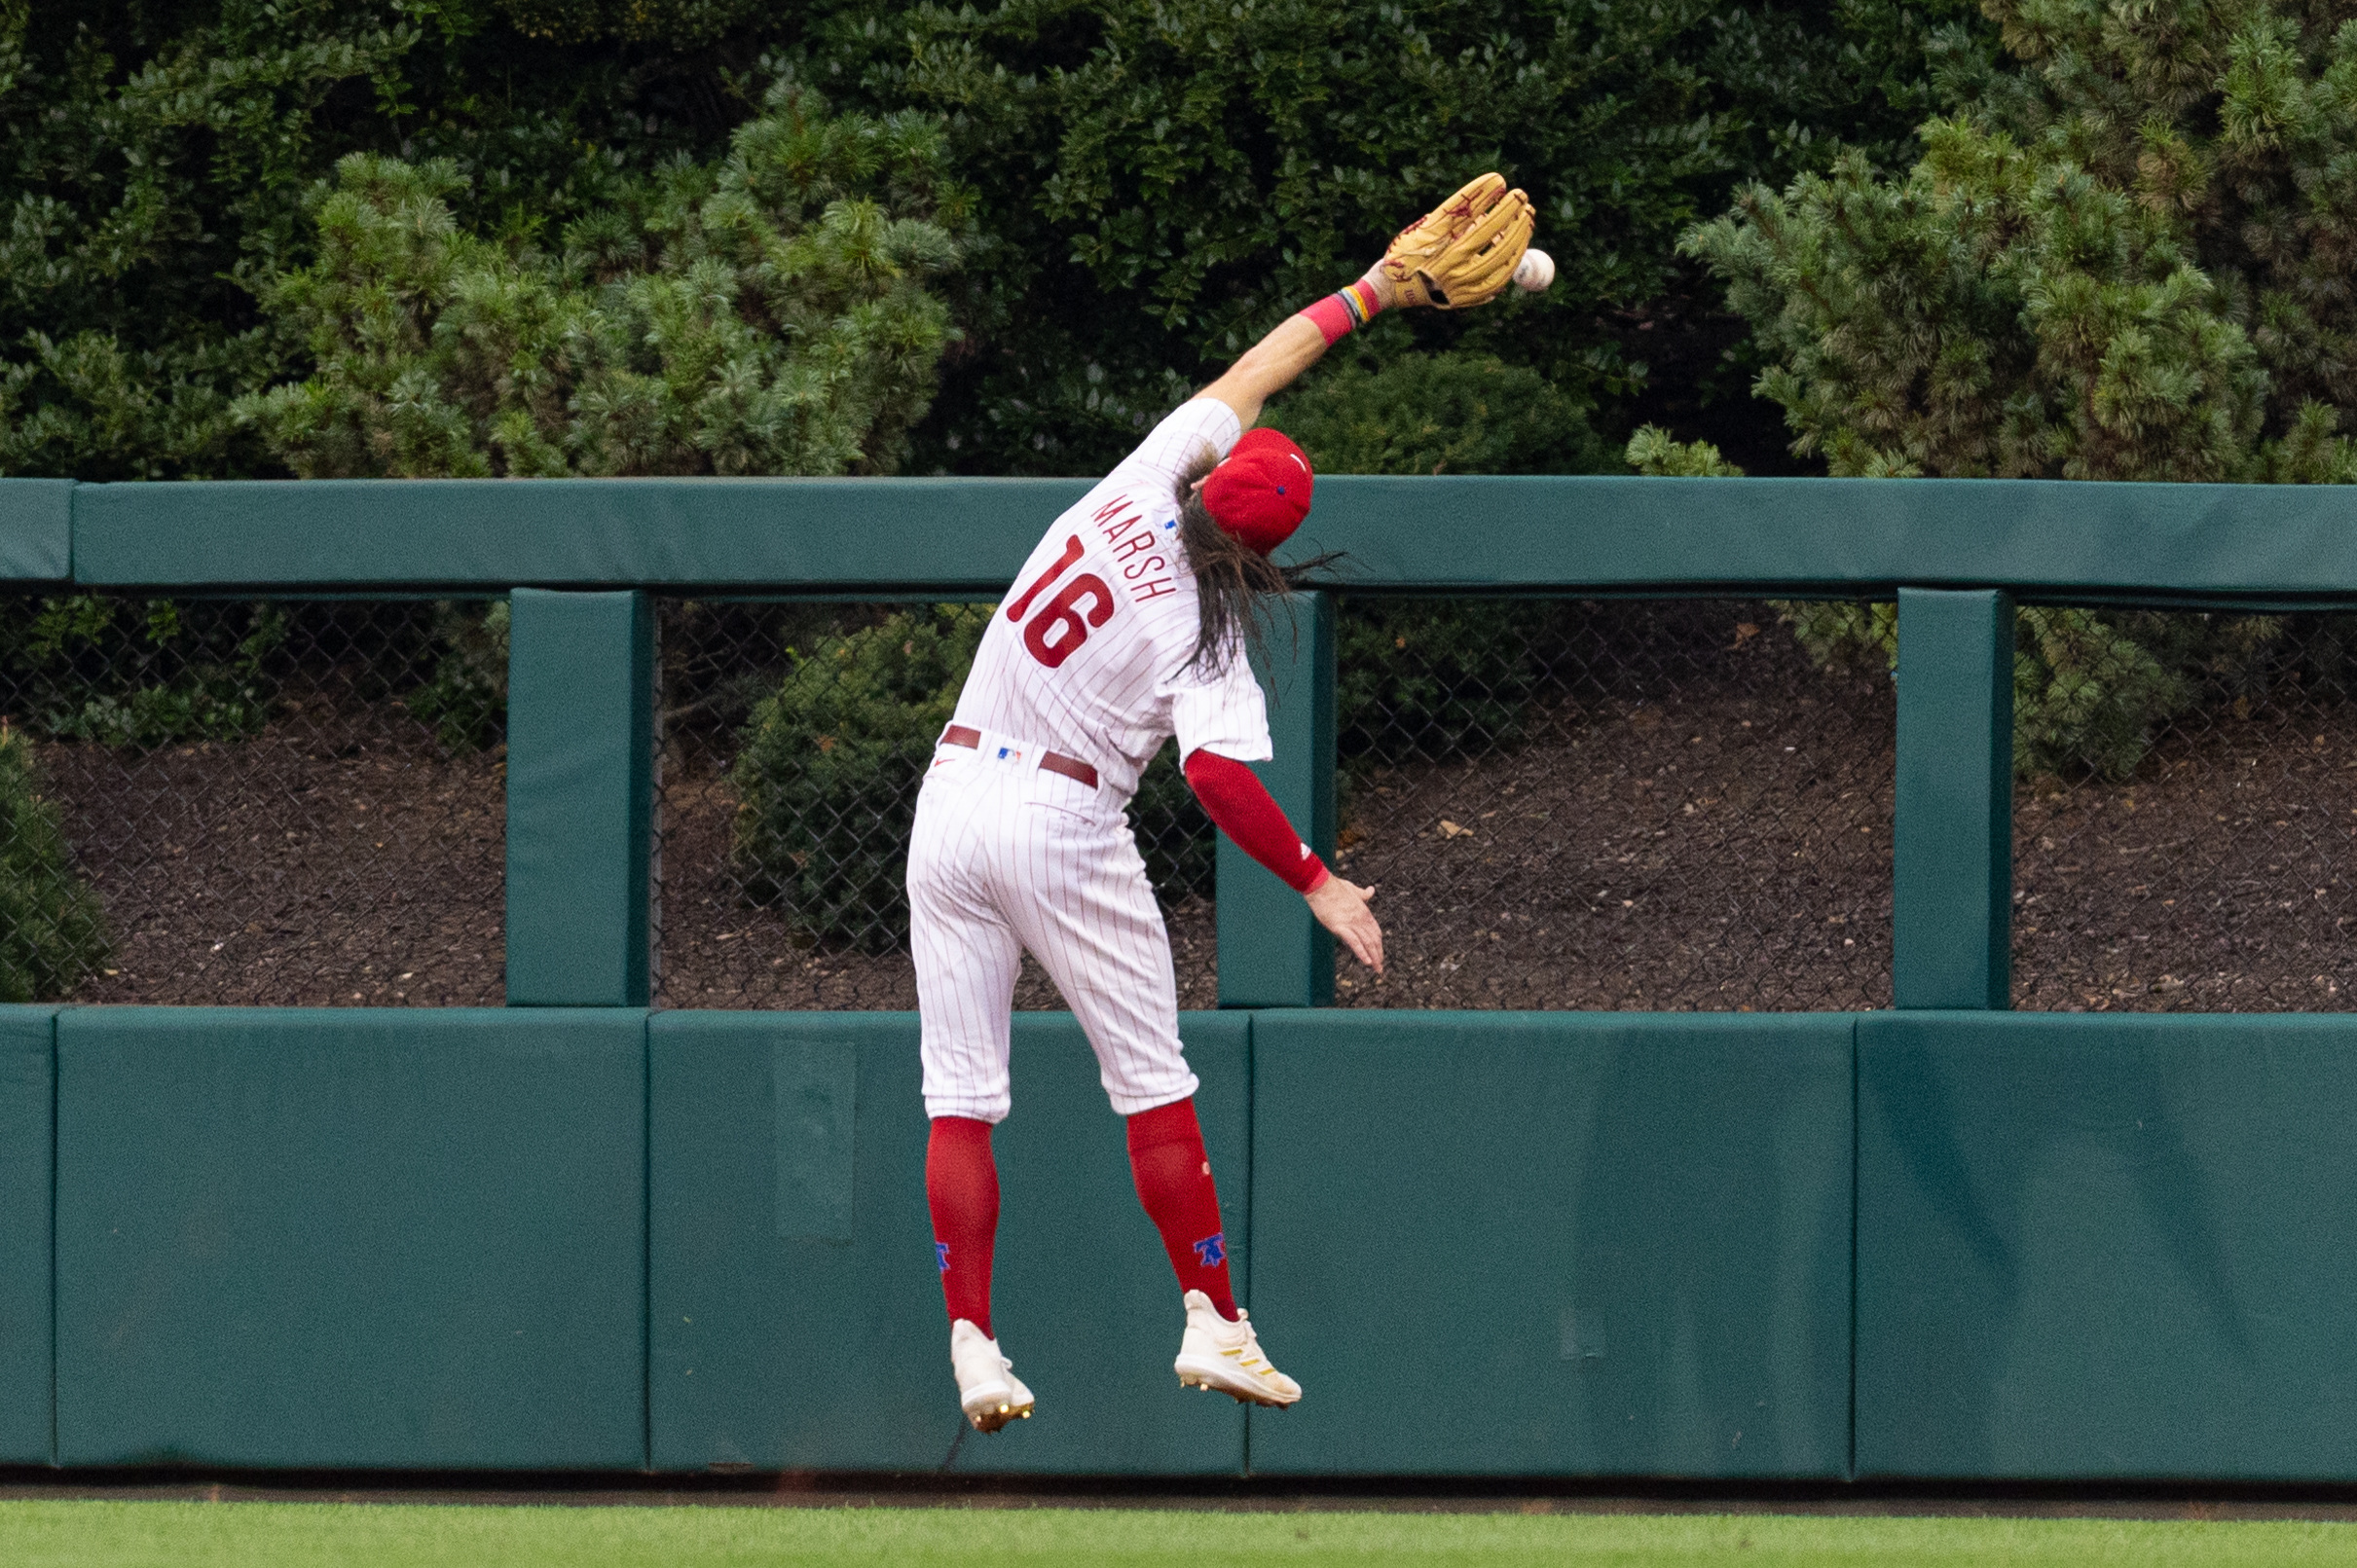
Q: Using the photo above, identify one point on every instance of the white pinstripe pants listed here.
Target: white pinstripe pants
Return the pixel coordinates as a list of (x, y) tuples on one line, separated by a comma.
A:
[(1007, 857)]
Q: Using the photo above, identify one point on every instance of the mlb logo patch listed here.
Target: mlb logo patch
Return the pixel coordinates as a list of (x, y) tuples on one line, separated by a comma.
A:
[(1212, 1251), (940, 1255)]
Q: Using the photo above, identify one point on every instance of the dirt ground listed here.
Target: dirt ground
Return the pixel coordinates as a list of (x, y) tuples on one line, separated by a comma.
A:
[(1728, 847), (2218, 880), (718, 951), (336, 859), (1725, 845)]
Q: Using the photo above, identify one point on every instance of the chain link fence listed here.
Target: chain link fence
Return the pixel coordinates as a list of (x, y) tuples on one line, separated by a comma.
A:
[(1564, 804), (270, 804), (791, 739), (2183, 812), (1659, 806)]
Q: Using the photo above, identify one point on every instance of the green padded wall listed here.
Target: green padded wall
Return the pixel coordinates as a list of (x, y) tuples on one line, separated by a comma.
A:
[(1273, 953), (26, 1077), (568, 532), (1952, 848), (1757, 535), (580, 798), (36, 529), (351, 1238), (796, 1308), (2107, 1246), (1553, 1244)]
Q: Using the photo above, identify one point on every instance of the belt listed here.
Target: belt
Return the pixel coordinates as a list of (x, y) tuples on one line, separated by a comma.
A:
[(1052, 761)]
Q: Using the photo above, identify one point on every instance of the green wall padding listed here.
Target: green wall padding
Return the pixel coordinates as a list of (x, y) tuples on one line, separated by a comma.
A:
[(1952, 847), (36, 529), (26, 1037), (581, 796), (781, 1345), (1761, 535), (1558, 1244), (1274, 952), (568, 533), (2097, 1246), (334, 1238)]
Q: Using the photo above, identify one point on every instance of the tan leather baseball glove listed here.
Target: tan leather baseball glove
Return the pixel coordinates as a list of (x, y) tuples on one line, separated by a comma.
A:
[(1463, 253)]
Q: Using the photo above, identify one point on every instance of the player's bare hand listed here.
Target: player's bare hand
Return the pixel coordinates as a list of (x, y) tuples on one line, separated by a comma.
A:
[(1342, 908)]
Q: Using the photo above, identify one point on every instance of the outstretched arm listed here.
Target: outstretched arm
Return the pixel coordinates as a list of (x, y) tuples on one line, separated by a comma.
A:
[(1299, 342), (1459, 254)]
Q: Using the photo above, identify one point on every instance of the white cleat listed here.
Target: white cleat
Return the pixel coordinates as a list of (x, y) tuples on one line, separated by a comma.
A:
[(988, 1391), (1227, 1355)]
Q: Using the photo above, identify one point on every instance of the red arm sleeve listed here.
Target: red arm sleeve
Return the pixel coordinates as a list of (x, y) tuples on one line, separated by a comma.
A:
[(1234, 798)]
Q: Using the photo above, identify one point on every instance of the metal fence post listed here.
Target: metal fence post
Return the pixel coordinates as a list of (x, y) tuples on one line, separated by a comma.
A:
[(581, 725), (1952, 844), (1271, 953)]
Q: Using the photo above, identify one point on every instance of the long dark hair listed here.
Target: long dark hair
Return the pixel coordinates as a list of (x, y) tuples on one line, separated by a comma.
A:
[(1235, 586)]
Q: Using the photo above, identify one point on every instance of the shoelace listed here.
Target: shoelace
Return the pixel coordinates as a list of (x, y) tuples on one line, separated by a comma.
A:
[(1248, 1354)]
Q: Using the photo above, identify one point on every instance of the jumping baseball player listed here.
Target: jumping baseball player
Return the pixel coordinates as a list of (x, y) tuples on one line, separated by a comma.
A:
[(1129, 626)]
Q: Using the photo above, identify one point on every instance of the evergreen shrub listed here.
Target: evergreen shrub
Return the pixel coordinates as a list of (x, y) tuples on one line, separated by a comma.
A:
[(466, 698), (139, 674), (831, 764), (2091, 689), (1436, 677), (767, 315), (52, 930)]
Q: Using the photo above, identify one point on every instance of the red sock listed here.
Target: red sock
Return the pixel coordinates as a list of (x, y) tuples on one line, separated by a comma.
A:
[(1174, 1182), (962, 1186)]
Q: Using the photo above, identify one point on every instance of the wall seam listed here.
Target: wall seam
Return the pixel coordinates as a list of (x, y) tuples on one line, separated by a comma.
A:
[(646, 1242), (55, 1157), (1849, 1460), (1252, 1150)]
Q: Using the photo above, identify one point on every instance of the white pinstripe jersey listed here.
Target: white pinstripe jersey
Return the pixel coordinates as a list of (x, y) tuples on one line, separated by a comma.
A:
[(1086, 655)]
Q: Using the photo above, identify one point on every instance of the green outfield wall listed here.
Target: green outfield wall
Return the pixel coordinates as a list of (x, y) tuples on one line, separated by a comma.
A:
[(1939, 1241)]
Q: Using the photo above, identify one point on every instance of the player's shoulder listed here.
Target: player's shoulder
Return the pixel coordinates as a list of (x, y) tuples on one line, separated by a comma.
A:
[(1197, 433)]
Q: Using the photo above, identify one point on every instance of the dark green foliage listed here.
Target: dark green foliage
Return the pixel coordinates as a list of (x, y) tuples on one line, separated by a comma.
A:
[(1178, 177), (1435, 677), (765, 315), (139, 674), (1155, 183), (829, 775), (466, 700), (53, 932), (2123, 256), (1180, 845), (1438, 414)]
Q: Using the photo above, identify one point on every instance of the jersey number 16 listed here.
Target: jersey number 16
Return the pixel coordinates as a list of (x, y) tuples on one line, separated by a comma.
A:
[(1061, 626)]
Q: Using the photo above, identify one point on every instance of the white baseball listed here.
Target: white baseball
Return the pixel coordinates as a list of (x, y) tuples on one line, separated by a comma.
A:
[(1536, 270)]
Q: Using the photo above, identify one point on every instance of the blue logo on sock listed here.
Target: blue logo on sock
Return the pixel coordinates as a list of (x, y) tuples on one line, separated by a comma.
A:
[(1210, 1251), (940, 1255)]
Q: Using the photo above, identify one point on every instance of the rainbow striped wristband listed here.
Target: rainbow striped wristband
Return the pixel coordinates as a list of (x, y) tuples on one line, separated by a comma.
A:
[(1344, 310)]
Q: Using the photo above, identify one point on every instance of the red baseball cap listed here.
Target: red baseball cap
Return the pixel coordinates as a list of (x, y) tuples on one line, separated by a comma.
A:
[(1260, 494)]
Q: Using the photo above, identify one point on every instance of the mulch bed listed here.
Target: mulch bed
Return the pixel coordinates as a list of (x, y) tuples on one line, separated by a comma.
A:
[(2218, 880), (1724, 845), (339, 858)]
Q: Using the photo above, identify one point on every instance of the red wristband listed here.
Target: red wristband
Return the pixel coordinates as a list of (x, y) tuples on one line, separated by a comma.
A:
[(1339, 313)]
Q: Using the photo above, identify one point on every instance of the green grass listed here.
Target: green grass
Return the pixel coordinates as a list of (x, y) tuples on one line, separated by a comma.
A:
[(320, 1535)]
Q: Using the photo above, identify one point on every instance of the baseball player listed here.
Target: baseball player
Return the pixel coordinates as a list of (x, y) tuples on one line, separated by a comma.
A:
[(1127, 626)]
